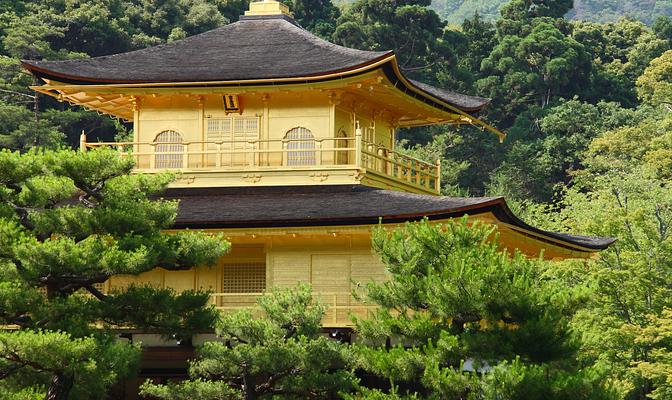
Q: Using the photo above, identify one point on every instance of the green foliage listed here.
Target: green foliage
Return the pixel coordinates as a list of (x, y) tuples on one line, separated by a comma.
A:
[(456, 304), (317, 16), (656, 338), (627, 149), (70, 220), (631, 280), (654, 86), (278, 355), (96, 362), (662, 27), (534, 67), (623, 191), (548, 144), (409, 27), (612, 10), (555, 87)]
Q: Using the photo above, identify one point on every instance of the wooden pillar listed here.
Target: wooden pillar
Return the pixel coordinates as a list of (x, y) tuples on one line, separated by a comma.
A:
[(358, 145), (201, 129), (265, 131), (136, 129), (82, 141)]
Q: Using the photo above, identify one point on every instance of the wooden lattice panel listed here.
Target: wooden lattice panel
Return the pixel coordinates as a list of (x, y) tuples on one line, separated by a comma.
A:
[(231, 131), (301, 147), (169, 150), (244, 278)]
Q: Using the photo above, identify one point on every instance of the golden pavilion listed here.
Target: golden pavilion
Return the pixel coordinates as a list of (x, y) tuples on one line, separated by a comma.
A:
[(286, 144)]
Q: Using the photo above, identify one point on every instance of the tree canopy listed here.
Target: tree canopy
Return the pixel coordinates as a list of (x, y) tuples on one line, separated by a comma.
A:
[(458, 318), (68, 222), (280, 354)]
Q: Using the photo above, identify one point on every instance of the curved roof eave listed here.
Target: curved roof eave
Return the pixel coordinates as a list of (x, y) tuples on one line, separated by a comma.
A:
[(346, 205), (387, 63), (44, 73)]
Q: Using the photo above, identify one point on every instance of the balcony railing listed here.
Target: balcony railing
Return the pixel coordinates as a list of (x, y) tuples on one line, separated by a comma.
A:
[(340, 306), (279, 154), (401, 167)]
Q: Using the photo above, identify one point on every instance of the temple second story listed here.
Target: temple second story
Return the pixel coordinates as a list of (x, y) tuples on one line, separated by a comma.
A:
[(263, 102)]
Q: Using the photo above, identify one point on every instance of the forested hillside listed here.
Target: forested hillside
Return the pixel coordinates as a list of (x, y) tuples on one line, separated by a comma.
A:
[(587, 107), (455, 11)]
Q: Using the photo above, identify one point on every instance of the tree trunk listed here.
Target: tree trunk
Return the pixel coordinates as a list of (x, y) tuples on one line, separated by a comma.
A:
[(60, 386), (249, 386)]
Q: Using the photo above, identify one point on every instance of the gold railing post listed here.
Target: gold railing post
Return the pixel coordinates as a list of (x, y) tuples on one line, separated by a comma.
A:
[(152, 156), (418, 173), (318, 146), (358, 146), (82, 141), (218, 156), (409, 171), (251, 154), (185, 155), (389, 167), (438, 176), (381, 161), (283, 153)]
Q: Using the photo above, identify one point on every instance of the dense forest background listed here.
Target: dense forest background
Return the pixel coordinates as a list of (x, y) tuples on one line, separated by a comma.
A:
[(587, 106)]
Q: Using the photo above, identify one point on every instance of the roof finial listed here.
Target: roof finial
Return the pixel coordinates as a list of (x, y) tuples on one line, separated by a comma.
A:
[(268, 7)]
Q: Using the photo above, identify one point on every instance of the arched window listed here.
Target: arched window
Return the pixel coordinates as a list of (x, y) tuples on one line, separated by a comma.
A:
[(342, 142), (301, 146), (169, 150)]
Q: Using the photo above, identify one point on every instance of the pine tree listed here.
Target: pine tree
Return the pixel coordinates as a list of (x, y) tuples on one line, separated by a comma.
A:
[(461, 319), (280, 355), (71, 220)]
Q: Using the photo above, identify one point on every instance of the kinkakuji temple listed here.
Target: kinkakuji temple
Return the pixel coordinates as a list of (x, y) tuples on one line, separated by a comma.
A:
[(286, 144)]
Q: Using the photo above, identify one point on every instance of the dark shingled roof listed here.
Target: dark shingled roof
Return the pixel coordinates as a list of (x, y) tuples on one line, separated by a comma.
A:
[(466, 102), (256, 47), (337, 205), (252, 48)]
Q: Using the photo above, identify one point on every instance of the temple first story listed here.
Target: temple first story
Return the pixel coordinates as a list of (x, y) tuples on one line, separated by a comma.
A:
[(321, 235)]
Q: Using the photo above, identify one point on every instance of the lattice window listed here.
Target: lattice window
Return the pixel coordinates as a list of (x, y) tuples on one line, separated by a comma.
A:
[(232, 131), (244, 278), (301, 147), (169, 150)]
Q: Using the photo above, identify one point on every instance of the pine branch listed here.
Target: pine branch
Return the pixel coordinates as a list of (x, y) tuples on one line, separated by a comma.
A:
[(96, 293), (273, 380)]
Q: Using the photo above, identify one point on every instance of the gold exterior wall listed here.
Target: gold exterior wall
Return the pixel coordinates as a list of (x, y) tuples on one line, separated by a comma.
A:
[(333, 260), (333, 264)]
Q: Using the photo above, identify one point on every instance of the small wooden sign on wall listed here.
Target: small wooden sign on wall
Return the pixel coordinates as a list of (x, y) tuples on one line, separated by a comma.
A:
[(231, 104)]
